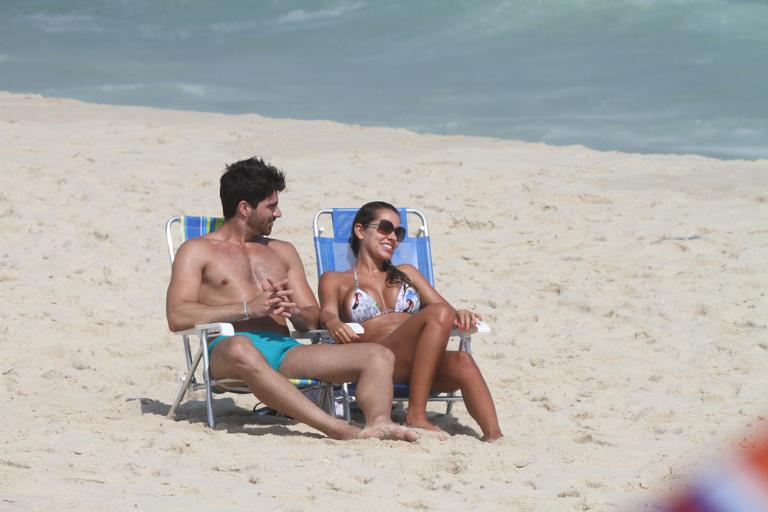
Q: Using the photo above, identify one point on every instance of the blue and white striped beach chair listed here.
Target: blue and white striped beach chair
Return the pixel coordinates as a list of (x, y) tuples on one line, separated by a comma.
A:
[(189, 227), (331, 229)]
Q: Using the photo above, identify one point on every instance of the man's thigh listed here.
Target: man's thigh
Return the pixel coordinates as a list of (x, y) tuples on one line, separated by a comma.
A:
[(231, 356), (329, 362)]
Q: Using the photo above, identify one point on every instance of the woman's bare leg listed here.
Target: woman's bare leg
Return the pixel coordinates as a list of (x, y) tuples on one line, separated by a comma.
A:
[(459, 371), (419, 346)]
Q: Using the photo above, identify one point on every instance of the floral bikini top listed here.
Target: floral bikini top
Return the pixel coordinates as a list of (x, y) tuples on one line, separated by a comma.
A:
[(364, 307)]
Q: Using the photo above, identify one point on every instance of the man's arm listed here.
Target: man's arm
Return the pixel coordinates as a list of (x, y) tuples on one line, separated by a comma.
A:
[(306, 313), (182, 306)]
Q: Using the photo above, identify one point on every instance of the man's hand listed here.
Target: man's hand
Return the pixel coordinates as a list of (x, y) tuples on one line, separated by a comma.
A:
[(282, 288), (274, 300)]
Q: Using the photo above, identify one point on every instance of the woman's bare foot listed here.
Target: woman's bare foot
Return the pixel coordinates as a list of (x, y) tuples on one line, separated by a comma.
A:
[(489, 438), (390, 431), (415, 420)]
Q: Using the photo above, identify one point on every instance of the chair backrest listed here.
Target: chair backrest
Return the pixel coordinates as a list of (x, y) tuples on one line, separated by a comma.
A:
[(190, 226), (334, 254)]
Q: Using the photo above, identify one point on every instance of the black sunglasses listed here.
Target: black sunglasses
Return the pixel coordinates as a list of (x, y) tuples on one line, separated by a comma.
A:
[(385, 227)]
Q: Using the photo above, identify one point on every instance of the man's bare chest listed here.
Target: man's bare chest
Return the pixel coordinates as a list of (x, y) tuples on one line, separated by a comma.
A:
[(238, 267)]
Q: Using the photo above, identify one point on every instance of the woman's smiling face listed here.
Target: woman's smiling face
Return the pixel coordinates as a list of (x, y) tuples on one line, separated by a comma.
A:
[(379, 245)]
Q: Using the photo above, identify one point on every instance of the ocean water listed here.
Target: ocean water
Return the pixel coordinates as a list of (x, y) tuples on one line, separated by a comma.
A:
[(661, 76)]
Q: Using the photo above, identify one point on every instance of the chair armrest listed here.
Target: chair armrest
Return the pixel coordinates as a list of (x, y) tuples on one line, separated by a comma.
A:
[(322, 335), (218, 329), (482, 327)]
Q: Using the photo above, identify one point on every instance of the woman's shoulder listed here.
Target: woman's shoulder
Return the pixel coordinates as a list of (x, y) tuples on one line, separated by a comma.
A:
[(335, 273), (414, 274), (333, 277), (408, 269)]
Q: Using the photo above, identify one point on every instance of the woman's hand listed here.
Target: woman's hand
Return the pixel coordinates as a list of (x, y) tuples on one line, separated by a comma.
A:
[(466, 320), (341, 332)]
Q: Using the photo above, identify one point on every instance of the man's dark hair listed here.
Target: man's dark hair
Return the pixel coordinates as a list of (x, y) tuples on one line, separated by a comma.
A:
[(250, 180)]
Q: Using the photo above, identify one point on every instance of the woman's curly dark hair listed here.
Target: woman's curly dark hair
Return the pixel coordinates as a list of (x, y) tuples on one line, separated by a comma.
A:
[(366, 215)]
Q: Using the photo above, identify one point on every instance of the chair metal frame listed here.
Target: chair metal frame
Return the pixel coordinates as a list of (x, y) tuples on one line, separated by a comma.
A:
[(206, 332), (346, 396)]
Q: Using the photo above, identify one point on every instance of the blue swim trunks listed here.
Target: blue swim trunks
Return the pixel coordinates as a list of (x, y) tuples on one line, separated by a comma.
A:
[(272, 345)]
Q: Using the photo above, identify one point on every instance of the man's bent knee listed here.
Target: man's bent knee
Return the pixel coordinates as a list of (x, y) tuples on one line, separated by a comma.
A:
[(380, 356), (238, 352)]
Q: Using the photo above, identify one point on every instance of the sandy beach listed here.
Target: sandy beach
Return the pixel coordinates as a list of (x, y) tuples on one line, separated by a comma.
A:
[(626, 293)]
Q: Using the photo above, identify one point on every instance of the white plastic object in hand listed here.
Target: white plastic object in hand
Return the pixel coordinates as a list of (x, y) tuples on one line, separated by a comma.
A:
[(356, 328), (481, 327)]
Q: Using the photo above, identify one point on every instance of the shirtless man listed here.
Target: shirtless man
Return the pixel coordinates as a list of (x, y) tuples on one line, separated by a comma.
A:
[(239, 275)]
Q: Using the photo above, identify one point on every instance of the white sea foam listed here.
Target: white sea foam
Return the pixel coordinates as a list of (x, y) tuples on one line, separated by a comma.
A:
[(192, 89), (187, 88), (120, 87), (304, 16), (232, 27), (55, 23)]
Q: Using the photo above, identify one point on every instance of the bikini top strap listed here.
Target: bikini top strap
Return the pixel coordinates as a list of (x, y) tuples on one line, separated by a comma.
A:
[(354, 273)]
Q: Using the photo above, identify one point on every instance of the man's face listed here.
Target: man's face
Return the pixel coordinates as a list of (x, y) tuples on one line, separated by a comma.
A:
[(264, 214)]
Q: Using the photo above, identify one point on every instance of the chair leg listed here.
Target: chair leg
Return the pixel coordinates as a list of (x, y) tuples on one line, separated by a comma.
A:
[(184, 386), (209, 405), (326, 399), (465, 345), (188, 356), (345, 398), (207, 379)]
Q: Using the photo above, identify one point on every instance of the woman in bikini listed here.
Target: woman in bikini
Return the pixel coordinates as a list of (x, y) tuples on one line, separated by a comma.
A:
[(400, 310)]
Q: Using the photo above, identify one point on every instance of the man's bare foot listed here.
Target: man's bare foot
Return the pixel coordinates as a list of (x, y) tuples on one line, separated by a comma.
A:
[(389, 431), (343, 431), (421, 421)]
